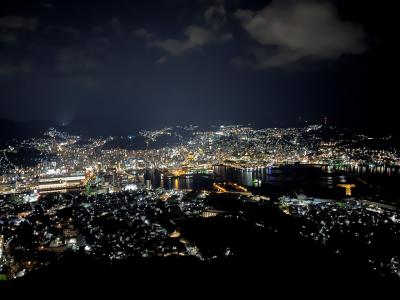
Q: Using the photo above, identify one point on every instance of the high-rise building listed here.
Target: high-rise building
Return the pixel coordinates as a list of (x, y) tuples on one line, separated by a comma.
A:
[(148, 184), (110, 179), (1, 245)]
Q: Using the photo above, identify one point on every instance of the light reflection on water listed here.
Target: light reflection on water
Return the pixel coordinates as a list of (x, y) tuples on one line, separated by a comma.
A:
[(321, 176), (363, 170), (327, 174)]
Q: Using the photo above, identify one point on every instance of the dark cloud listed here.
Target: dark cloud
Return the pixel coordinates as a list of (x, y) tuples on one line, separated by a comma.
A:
[(75, 58), (49, 6), (7, 69), (18, 23), (144, 33), (288, 31), (11, 26), (113, 26), (8, 38), (162, 59), (80, 58), (215, 15), (194, 36)]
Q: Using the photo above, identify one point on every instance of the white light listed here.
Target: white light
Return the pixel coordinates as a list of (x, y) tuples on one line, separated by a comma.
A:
[(130, 187)]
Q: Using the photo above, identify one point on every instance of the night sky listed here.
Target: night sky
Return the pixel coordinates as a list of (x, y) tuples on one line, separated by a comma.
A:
[(156, 63)]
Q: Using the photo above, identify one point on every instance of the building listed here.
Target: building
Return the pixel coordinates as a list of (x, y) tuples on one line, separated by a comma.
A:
[(1, 246), (74, 181), (148, 184), (109, 179)]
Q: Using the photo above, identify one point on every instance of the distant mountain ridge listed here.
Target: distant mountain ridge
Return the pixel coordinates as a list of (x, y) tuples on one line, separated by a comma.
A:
[(104, 126), (17, 129)]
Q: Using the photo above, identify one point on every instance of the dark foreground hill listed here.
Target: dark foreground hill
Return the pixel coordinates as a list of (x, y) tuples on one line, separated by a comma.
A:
[(262, 267)]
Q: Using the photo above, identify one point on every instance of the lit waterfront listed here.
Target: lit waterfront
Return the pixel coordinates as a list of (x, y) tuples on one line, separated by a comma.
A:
[(99, 161)]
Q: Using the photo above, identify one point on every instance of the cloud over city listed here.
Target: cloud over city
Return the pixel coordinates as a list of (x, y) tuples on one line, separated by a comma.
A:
[(289, 31), (195, 37)]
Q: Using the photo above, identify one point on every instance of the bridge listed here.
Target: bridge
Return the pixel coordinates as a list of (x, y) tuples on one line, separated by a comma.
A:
[(219, 188)]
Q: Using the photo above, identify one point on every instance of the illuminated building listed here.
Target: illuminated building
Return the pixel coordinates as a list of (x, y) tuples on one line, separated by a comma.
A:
[(109, 178), (60, 183), (348, 188), (1, 245), (148, 184)]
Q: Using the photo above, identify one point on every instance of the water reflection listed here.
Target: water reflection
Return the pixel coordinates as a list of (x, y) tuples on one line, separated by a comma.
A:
[(308, 179), (362, 170), (179, 183), (328, 176)]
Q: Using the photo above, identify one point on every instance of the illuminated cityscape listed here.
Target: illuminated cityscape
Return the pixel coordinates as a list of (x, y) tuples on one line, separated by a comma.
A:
[(158, 146), (115, 203)]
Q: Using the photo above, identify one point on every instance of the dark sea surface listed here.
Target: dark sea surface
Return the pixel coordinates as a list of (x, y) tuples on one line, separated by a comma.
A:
[(376, 184)]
